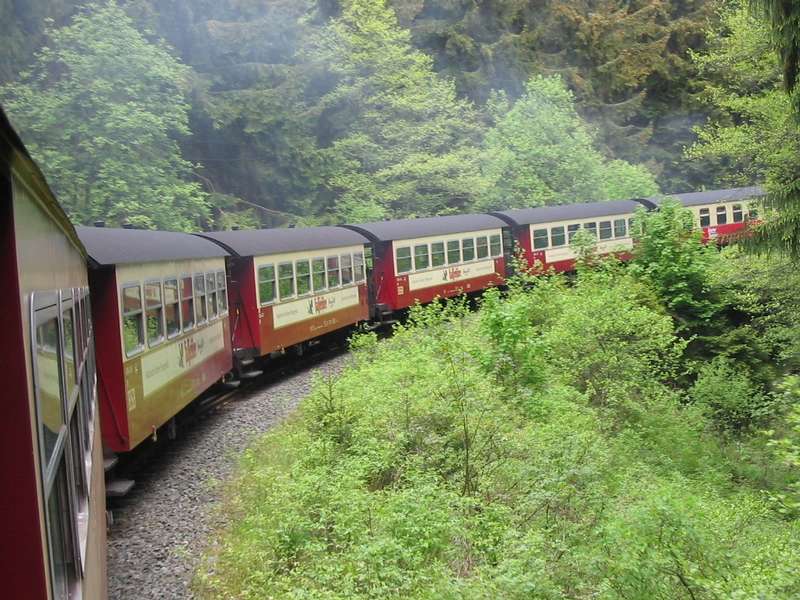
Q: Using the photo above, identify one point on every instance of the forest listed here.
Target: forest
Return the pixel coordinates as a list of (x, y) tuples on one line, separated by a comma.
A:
[(193, 114)]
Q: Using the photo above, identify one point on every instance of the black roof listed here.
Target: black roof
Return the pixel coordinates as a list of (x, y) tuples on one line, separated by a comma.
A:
[(716, 196), (261, 242), (566, 212), (404, 229), (110, 246)]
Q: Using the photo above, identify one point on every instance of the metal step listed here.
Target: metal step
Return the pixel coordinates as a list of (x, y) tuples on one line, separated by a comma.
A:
[(251, 374), (231, 384), (246, 362), (117, 488), (109, 462)]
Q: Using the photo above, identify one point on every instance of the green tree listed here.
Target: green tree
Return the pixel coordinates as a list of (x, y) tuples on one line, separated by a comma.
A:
[(541, 152), (101, 109)]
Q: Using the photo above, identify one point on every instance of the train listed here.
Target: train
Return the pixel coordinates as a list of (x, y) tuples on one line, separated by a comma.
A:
[(111, 332)]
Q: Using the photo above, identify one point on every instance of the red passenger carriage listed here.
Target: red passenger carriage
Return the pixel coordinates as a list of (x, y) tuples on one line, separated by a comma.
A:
[(163, 335), (417, 260), (289, 287), (53, 525)]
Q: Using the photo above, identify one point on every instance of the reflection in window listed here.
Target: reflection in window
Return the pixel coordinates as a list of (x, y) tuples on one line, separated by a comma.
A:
[(620, 229), (605, 230), (482, 247), (222, 292), (591, 227), (453, 252), (200, 298), (333, 271), (358, 267), (211, 294), (404, 259), (303, 270), (172, 307), (132, 326), (738, 215), (705, 217), (266, 284), (722, 215), (346, 262), (318, 274), (285, 280), (495, 245), (437, 254), (421, 258), (154, 313), (48, 375), (540, 239), (468, 249), (572, 230), (70, 365), (557, 236)]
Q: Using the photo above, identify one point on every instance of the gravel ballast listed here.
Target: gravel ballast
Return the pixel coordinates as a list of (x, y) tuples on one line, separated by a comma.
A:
[(161, 528)]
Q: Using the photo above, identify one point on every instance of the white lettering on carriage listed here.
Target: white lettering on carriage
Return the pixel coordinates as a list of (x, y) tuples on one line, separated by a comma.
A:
[(451, 274), (295, 311)]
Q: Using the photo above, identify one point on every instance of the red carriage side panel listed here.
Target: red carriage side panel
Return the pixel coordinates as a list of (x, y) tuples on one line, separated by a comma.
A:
[(244, 314), (110, 376), (384, 282), (22, 565)]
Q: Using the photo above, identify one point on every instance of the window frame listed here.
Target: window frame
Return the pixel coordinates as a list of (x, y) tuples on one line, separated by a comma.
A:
[(211, 295), (222, 291), (572, 229), (591, 226), (556, 234), (605, 230), (336, 270), (190, 298), (398, 258), (704, 213), (620, 224), (259, 269), (177, 303), (467, 242), (324, 273), (343, 268), (310, 290), (123, 313), (442, 254), (159, 340), (449, 251), (417, 255), (200, 299), (479, 245), (737, 209), (540, 238), (498, 238), (721, 210), (281, 296), (359, 268)]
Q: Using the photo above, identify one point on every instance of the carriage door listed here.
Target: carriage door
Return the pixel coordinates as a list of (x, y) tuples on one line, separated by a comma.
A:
[(508, 250)]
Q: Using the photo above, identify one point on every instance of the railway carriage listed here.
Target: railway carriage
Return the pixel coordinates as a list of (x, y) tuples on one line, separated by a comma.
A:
[(721, 213), (51, 474), (289, 287), (417, 260), (544, 234), (161, 311)]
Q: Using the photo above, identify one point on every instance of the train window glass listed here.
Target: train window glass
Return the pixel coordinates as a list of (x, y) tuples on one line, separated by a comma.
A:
[(482, 247), (722, 215), (606, 233), (572, 230), (172, 306), (285, 280), (70, 367), (201, 310), (303, 270), (59, 535), (187, 303), (222, 292), (358, 267), (437, 254), (79, 487), (453, 252), (421, 257), (154, 313), (738, 215), (346, 262), (403, 259), (557, 236), (620, 230), (211, 294), (48, 374), (266, 284), (752, 212), (540, 239), (333, 271), (318, 274), (132, 324), (705, 217), (468, 249), (591, 228), (495, 245)]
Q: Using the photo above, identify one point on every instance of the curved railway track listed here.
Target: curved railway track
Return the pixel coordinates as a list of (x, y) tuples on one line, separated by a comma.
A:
[(160, 528)]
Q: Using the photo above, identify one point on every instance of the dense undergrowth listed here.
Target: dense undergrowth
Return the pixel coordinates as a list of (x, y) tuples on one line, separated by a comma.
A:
[(588, 439)]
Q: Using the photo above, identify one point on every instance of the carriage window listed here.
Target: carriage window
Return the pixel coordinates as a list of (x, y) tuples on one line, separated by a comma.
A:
[(132, 326), (200, 307), (172, 307), (358, 266), (606, 232), (70, 366), (557, 236), (154, 313), (286, 280), (738, 216), (266, 284), (495, 246), (346, 262), (303, 270), (722, 215), (48, 377), (572, 230), (539, 239), (333, 271), (187, 303), (403, 259), (591, 227), (437, 254), (222, 292), (752, 212), (211, 294), (705, 217), (453, 252), (468, 249), (318, 274), (619, 228), (482, 247), (421, 257), (631, 230)]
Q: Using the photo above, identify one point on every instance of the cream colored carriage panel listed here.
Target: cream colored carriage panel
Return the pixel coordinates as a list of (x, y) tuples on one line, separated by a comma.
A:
[(564, 252)]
